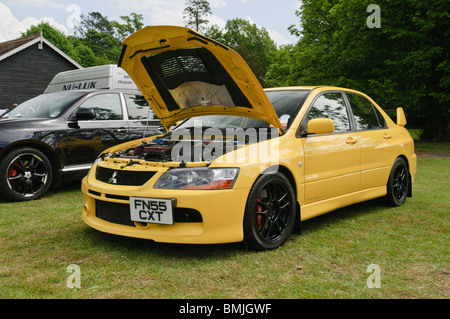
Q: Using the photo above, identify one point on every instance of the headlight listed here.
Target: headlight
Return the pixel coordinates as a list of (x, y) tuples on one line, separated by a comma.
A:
[(98, 160), (198, 178)]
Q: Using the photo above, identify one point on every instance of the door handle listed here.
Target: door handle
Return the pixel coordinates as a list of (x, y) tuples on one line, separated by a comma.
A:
[(351, 140), (387, 136), (122, 130)]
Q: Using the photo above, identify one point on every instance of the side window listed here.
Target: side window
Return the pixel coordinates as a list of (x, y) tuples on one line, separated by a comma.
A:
[(365, 115), (332, 106), (138, 107), (380, 117), (105, 106)]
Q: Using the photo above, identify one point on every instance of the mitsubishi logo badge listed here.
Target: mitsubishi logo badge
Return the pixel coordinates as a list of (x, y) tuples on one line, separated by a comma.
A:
[(113, 178)]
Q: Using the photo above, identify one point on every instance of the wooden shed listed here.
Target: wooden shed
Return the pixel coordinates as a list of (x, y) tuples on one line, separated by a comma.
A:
[(27, 65)]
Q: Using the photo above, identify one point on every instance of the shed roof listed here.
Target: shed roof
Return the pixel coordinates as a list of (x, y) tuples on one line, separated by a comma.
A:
[(11, 47)]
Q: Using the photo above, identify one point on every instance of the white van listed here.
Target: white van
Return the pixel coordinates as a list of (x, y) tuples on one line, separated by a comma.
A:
[(97, 77)]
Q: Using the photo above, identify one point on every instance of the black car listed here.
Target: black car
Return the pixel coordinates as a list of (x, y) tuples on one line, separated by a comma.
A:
[(55, 137)]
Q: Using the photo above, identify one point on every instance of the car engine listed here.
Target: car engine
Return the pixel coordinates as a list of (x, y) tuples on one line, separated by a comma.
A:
[(192, 145)]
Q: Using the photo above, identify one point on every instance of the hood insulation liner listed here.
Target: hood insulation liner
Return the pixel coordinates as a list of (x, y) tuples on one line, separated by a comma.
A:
[(192, 77)]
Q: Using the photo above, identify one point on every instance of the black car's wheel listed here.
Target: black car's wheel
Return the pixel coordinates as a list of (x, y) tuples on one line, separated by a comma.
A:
[(398, 183), (25, 174), (270, 212)]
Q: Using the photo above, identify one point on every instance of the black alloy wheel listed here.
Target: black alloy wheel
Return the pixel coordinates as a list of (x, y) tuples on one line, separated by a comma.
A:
[(26, 174), (398, 183), (270, 212)]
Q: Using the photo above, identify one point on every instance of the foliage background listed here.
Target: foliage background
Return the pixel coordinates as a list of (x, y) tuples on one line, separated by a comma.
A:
[(404, 63)]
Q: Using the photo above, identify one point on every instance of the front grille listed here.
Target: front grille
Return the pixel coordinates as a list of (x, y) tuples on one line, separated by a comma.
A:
[(121, 177), (113, 212), (120, 213)]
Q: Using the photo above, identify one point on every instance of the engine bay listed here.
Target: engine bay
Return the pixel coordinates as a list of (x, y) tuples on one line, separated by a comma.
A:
[(195, 145)]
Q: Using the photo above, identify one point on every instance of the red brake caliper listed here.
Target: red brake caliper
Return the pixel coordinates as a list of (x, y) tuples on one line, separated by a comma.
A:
[(258, 216), (12, 172)]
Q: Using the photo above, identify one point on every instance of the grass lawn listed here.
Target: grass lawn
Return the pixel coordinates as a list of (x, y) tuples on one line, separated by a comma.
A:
[(410, 244)]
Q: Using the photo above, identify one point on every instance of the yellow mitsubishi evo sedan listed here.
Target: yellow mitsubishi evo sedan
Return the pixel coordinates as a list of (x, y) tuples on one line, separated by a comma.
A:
[(239, 163)]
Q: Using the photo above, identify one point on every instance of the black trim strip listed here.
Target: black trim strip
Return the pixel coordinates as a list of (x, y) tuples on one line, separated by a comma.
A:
[(207, 39), (159, 84), (124, 48), (148, 50), (199, 40)]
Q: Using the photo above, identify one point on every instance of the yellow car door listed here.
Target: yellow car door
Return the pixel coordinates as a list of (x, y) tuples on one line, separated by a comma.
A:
[(375, 141), (332, 160)]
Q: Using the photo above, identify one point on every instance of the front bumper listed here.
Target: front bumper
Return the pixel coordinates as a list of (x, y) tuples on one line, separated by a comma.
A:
[(222, 213)]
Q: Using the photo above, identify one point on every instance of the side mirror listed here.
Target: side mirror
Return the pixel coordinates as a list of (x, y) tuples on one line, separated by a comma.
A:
[(85, 114), (401, 118), (320, 126), (80, 115)]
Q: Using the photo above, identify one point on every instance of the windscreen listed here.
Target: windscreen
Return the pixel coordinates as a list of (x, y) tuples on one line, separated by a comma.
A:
[(286, 103), (49, 105)]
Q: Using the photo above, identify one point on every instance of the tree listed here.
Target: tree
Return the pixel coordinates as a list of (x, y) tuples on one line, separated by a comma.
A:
[(196, 13), (250, 41), (97, 32), (281, 70), (131, 25), (404, 63), (97, 40), (94, 21), (103, 37), (86, 57)]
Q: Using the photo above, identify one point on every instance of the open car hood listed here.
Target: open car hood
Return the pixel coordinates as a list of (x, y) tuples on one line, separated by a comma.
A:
[(184, 74)]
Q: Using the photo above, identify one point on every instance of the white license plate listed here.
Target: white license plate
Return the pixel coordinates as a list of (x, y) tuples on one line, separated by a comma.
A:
[(152, 210)]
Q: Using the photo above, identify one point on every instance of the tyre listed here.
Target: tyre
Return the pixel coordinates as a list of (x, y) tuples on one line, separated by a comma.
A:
[(270, 212), (25, 174), (398, 183)]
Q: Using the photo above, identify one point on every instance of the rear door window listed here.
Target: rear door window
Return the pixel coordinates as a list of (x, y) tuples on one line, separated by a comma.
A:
[(138, 107), (366, 116)]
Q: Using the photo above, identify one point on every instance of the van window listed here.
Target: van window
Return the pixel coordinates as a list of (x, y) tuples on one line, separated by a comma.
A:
[(106, 107), (138, 107)]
